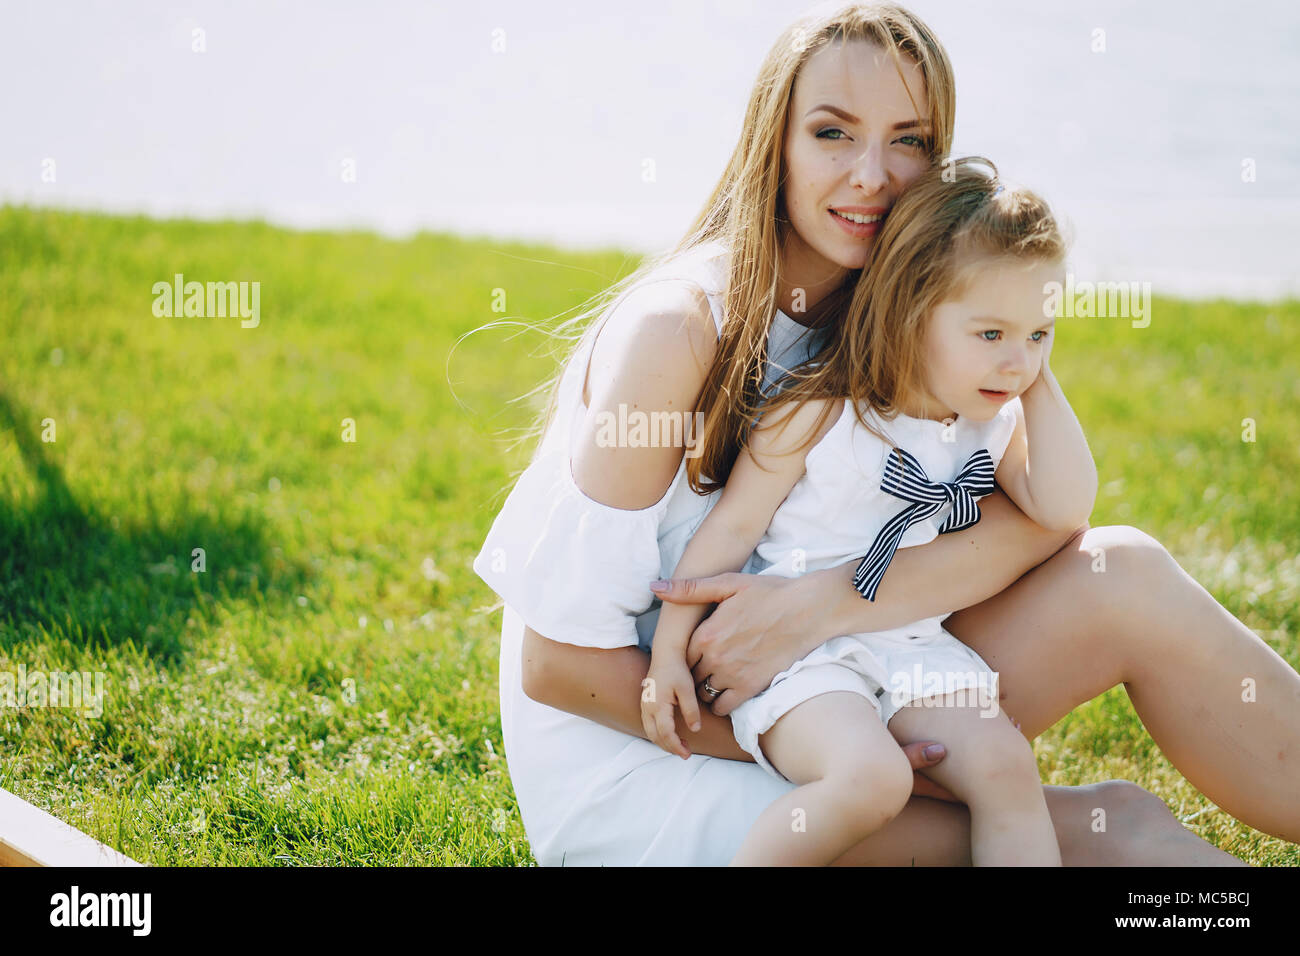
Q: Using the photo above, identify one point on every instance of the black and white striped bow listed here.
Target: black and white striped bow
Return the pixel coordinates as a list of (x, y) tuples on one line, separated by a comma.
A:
[(910, 482)]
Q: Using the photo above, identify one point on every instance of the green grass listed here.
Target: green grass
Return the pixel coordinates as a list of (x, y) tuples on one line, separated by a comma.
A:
[(325, 692)]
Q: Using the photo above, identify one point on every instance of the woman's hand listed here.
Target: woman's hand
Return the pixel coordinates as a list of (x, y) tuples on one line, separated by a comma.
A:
[(760, 627), (668, 683), (923, 754)]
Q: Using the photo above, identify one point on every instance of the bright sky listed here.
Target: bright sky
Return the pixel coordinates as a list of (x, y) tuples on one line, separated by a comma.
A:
[(1140, 146)]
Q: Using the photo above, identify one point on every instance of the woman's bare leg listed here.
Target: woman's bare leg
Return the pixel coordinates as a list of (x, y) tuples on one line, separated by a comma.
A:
[(1113, 607), (1134, 828)]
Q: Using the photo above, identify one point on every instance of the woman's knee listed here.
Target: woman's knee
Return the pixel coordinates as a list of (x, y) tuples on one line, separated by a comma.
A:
[(1129, 577), (1128, 553)]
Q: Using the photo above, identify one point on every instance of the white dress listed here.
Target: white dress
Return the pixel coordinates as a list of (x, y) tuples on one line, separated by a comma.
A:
[(578, 571), (835, 513)]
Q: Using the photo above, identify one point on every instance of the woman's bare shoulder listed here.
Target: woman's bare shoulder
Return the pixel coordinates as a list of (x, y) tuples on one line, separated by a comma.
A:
[(650, 360), (653, 330)]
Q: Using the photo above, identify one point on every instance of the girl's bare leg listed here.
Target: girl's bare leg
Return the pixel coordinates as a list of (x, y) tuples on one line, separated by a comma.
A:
[(990, 767), (852, 777), (1112, 607), (1133, 828)]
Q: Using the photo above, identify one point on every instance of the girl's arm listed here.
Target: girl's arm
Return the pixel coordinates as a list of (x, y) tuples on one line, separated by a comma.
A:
[(762, 477), (1047, 468), (764, 472)]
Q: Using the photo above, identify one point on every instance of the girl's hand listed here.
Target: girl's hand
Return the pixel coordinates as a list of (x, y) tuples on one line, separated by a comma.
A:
[(754, 634), (1046, 370), (668, 683)]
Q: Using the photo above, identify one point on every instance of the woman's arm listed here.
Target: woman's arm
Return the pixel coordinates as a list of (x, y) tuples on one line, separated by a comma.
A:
[(955, 570), (651, 355), (650, 358), (604, 686), (764, 623)]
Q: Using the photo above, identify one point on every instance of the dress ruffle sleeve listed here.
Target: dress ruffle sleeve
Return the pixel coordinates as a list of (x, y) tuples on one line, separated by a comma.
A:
[(575, 570)]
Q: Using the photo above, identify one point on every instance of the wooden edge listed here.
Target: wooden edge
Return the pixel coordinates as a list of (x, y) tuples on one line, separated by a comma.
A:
[(31, 837)]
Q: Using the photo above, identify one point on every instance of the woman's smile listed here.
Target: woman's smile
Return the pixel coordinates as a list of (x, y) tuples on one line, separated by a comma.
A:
[(861, 222)]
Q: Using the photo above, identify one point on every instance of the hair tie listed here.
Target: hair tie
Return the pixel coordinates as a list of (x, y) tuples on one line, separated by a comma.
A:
[(999, 189)]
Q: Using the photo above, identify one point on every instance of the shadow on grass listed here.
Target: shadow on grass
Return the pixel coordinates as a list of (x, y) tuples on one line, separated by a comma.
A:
[(67, 570)]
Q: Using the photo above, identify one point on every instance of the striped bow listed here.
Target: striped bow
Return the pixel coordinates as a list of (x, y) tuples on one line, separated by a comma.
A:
[(910, 482)]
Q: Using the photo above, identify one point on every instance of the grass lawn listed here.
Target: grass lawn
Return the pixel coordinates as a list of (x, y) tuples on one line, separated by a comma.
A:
[(324, 692)]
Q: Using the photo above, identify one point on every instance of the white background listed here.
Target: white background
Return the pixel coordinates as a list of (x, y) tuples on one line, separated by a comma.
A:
[(1139, 147)]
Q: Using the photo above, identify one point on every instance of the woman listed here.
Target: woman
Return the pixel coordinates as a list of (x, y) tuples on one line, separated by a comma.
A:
[(850, 106)]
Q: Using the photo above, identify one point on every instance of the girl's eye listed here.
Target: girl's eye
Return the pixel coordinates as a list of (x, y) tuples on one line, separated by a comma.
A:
[(1042, 333), (987, 332), (822, 134)]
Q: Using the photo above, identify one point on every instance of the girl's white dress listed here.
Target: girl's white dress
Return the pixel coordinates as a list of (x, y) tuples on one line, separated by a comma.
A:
[(577, 571), (835, 513)]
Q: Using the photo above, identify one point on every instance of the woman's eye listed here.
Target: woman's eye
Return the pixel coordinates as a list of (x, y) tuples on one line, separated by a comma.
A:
[(917, 141), (822, 134)]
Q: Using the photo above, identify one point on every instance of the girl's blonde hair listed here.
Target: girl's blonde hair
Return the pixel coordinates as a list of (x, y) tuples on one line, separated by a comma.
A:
[(947, 222), (746, 213)]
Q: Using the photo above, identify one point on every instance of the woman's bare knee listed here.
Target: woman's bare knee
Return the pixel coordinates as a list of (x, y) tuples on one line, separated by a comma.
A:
[(1129, 553)]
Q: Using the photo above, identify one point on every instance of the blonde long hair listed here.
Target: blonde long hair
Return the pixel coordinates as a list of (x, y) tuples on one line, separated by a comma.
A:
[(745, 212), (950, 217)]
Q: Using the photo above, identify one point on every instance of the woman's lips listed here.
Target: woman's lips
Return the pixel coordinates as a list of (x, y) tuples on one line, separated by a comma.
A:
[(859, 230)]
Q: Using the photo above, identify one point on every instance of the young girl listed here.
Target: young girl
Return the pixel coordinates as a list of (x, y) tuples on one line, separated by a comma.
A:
[(939, 383)]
